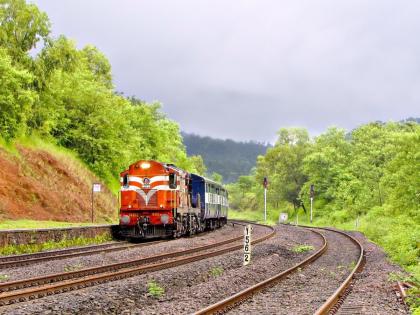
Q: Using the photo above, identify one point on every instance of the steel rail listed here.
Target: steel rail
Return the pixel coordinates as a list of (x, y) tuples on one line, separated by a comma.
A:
[(26, 259), (56, 252), (68, 253), (63, 284), (239, 297), (330, 306), (334, 302), (19, 284)]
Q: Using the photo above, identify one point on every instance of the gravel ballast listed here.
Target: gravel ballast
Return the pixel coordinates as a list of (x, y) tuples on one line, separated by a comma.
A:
[(373, 292), (307, 289), (105, 258), (187, 288), (191, 287)]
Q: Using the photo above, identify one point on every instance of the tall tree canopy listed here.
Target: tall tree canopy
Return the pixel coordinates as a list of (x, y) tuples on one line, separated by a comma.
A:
[(66, 94)]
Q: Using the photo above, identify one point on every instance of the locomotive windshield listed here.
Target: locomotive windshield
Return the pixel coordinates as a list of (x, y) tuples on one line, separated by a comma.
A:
[(125, 180), (172, 181)]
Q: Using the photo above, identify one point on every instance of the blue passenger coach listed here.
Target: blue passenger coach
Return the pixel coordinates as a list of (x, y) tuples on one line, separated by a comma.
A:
[(211, 198)]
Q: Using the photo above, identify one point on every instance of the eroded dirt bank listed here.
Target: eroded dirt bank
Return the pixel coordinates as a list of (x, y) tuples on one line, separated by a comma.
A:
[(41, 185)]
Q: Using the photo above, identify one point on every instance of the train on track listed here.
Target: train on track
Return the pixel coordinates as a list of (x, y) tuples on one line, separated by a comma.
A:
[(161, 200)]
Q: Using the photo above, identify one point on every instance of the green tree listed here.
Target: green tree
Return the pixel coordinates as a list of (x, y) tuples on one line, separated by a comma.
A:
[(98, 64), (16, 98), (283, 166), (23, 25), (217, 177), (198, 166)]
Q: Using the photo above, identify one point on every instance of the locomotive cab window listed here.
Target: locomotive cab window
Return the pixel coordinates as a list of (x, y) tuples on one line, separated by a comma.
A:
[(125, 180), (172, 181)]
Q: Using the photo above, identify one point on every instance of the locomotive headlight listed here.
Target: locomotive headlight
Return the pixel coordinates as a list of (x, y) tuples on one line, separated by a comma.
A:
[(125, 219), (164, 218), (145, 165)]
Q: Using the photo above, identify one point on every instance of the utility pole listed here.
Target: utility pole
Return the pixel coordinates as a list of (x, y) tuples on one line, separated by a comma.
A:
[(312, 194), (265, 184)]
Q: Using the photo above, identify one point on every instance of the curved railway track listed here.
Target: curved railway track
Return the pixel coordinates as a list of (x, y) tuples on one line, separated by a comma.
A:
[(28, 289), (331, 305)]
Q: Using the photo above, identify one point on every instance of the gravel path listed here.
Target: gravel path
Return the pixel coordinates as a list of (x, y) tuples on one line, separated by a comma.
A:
[(303, 292), (187, 288)]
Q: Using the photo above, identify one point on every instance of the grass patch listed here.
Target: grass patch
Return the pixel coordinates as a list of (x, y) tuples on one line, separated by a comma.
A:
[(3, 277), (70, 268), (34, 224), (216, 271), (154, 289), (50, 245), (252, 216), (302, 248)]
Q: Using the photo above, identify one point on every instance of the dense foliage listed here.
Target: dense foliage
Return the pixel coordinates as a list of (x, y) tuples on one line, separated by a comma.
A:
[(66, 94), (228, 158), (370, 175)]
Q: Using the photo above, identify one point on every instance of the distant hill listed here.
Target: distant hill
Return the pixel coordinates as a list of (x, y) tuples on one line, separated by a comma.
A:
[(229, 158), (413, 119)]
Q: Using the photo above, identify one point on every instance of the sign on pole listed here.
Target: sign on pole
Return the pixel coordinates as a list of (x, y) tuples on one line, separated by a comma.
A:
[(312, 194), (283, 217), (95, 188), (265, 184), (247, 244)]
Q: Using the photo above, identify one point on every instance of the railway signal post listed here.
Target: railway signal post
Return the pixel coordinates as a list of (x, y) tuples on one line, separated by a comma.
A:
[(312, 194), (265, 184)]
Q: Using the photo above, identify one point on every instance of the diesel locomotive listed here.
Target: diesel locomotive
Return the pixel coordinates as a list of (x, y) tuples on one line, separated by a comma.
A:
[(161, 200)]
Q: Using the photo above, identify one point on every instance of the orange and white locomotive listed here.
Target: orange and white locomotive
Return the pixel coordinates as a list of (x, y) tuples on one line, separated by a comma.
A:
[(159, 199)]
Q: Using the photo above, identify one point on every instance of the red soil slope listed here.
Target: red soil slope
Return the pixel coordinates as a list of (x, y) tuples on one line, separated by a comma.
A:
[(40, 185)]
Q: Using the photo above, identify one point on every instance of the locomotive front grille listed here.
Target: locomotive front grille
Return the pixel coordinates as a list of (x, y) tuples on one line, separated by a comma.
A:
[(157, 230), (151, 196)]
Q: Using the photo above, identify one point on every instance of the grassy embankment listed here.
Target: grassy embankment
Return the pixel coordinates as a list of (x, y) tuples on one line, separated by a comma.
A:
[(51, 245), (36, 224), (46, 186)]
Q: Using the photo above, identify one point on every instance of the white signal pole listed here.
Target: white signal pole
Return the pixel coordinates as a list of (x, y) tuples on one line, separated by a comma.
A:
[(265, 205), (265, 184), (312, 199), (312, 194)]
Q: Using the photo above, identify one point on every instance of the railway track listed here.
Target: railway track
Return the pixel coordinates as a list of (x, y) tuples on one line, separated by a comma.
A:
[(331, 305), (29, 289), (26, 259)]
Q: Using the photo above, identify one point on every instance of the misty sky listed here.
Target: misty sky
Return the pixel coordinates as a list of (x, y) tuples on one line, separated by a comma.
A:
[(243, 69)]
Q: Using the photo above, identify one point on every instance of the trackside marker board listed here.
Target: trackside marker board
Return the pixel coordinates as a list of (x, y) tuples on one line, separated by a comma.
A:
[(247, 244), (96, 187)]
